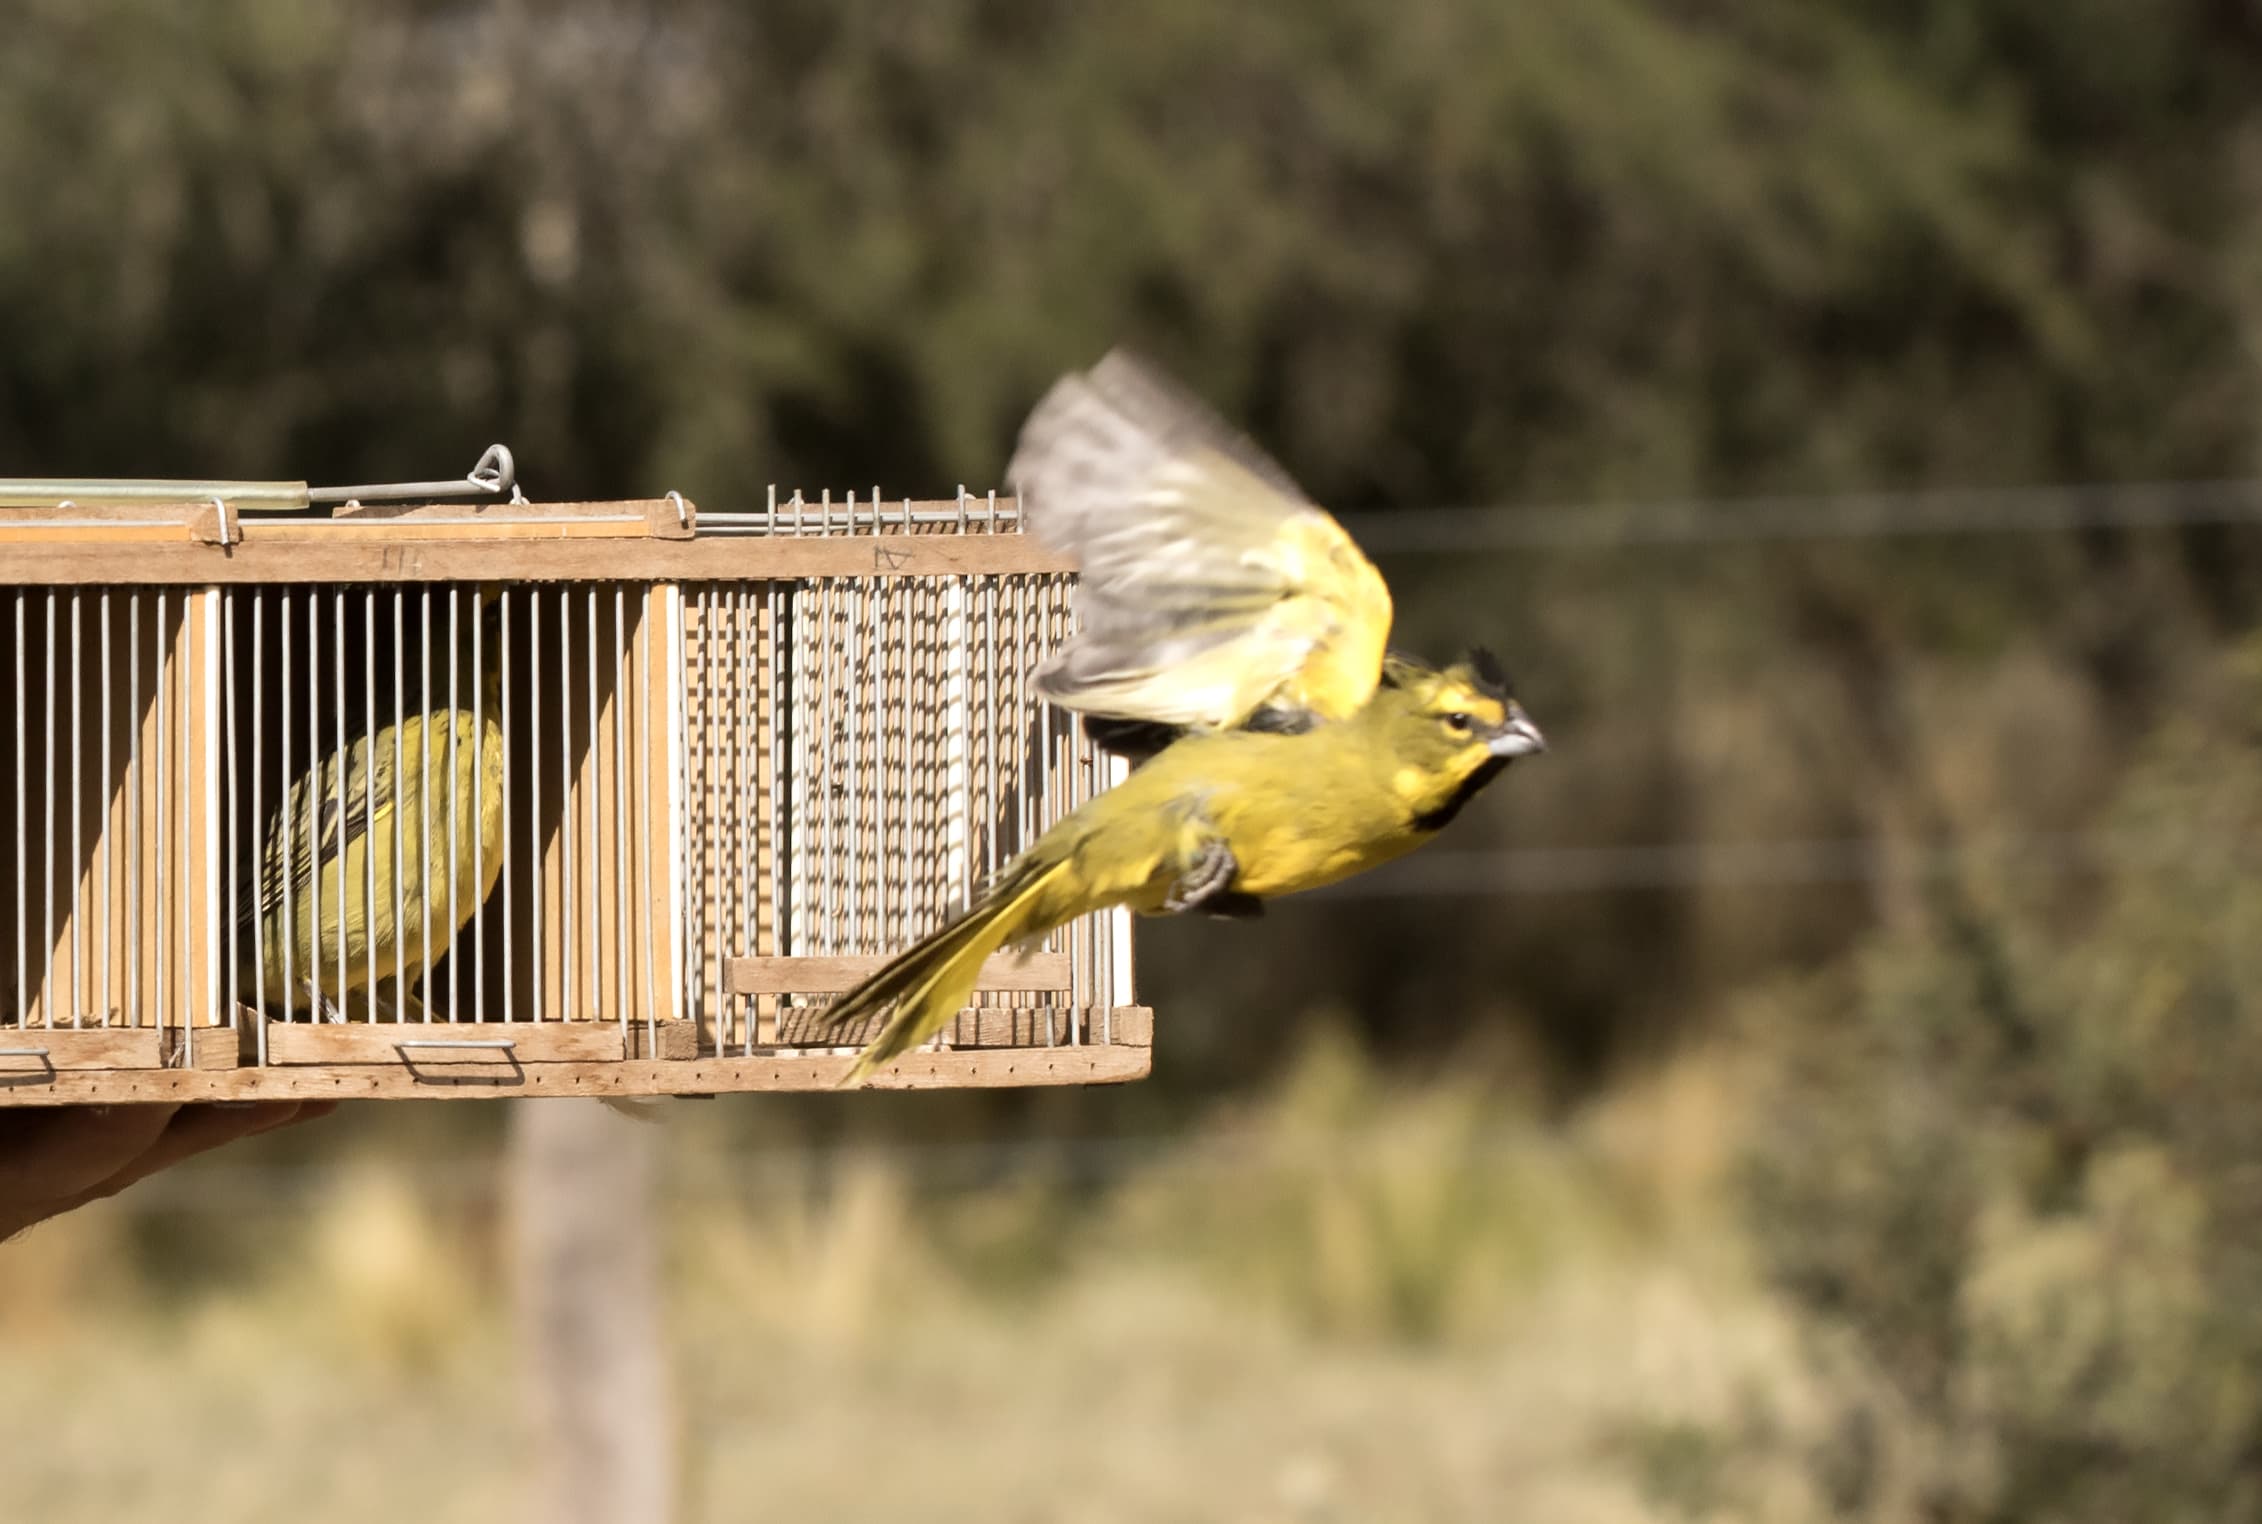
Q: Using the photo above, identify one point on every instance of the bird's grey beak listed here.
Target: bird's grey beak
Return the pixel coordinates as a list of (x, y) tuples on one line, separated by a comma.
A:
[(1519, 738)]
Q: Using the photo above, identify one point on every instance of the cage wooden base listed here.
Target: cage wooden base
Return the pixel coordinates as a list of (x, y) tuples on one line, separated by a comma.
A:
[(381, 1070)]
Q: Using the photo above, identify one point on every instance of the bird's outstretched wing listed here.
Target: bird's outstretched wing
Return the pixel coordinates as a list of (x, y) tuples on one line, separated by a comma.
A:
[(1212, 588)]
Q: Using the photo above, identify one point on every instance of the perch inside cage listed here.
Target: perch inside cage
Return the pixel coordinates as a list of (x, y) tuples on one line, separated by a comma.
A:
[(521, 798)]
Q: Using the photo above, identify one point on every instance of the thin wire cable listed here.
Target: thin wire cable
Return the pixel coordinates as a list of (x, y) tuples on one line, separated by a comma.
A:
[(1856, 515), (1745, 864)]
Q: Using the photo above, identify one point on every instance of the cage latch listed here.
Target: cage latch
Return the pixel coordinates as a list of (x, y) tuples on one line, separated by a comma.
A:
[(213, 524), (673, 517)]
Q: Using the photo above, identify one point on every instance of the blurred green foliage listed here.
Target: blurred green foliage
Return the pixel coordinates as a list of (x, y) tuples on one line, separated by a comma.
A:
[(2018, 1160), (1432, 252)]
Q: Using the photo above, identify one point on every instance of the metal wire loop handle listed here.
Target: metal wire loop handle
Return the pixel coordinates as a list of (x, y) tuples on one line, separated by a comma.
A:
[(496, 473)]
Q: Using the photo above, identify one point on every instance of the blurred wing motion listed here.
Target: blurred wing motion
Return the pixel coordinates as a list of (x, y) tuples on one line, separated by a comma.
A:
[(1211, 588)]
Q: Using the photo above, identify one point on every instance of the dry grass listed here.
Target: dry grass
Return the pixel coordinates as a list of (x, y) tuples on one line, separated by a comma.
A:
[(1354, 1303)]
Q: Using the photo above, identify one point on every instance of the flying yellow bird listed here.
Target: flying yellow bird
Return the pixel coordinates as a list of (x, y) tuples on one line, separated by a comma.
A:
[(331, 835), (1212, 593), (1222, 822), (1229, 628)]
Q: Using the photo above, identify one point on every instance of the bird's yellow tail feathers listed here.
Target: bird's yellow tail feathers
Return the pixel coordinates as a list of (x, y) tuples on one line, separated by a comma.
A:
[(929, 983)]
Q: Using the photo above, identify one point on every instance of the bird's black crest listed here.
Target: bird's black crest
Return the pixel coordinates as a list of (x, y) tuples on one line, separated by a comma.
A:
[(1491, 677)]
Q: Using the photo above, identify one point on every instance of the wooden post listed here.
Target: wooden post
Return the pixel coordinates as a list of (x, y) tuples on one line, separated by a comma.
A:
[(594, 1357)]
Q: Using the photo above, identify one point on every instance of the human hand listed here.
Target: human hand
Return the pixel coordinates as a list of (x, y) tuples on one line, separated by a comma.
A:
[(57, 1158)]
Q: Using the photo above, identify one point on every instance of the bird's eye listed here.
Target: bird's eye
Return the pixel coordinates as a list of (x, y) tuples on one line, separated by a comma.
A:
[(1457, 722)]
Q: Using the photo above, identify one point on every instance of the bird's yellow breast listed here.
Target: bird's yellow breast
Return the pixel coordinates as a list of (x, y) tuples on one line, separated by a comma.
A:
[(1297, 811)]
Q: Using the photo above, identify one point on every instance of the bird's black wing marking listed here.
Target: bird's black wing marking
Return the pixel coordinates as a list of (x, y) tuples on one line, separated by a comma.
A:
[(1140, 740), (1280, 720), (1134, 740), (338, 822)]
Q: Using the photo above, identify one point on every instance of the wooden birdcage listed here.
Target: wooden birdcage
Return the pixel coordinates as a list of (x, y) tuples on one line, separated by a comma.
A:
[(679, 779)]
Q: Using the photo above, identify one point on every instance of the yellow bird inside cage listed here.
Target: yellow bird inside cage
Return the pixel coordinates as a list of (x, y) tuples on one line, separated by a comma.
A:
[(414, 809)]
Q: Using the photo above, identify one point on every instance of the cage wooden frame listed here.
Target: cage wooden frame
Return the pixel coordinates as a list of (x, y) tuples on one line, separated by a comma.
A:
[(826, 702)]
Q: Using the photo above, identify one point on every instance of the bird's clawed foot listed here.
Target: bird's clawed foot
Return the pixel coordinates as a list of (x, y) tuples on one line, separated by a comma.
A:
[(1206, 885)]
